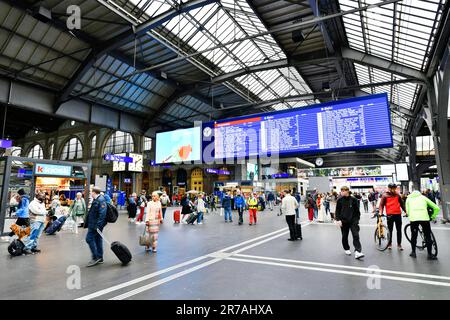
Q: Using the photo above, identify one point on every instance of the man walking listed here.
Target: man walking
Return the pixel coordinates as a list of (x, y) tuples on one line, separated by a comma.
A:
[(288, 206), (239, 202), (252, 208), (347, 217), (96, 219), (226, 205), (37, 214), (271, 200)]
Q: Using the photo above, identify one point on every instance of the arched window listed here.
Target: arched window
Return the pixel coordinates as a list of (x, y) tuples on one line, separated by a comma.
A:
[(36, 152), (72, 150), (119, 142), (51, 150), (147, 144), (16, 151), (93, 145)]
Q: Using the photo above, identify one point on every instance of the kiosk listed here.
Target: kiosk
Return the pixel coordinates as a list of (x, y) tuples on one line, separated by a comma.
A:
[(50, 176)]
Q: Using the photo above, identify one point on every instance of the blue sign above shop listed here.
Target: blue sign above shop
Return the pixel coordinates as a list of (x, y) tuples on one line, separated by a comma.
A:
[(5, 143), (217, 171), (43, 169), (113, 157)]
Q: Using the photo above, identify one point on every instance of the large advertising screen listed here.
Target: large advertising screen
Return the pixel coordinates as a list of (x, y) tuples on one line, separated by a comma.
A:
[(182, 145), (357, 123)]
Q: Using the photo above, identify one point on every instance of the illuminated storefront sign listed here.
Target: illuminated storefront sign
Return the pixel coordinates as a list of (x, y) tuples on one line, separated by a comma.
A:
[(52, 170)]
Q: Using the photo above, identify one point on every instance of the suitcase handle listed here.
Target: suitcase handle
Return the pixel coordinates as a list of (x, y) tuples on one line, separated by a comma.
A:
[(103, 236)]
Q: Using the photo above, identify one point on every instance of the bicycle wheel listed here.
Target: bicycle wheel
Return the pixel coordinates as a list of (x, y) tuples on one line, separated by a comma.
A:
[(382, 237), (422, 243), (434, 247)]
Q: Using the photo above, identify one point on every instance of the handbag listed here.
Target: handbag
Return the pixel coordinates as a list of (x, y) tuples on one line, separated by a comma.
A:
[(144, 239)]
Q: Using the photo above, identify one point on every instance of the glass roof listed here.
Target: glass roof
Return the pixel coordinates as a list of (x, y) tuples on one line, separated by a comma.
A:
[(215, 24)]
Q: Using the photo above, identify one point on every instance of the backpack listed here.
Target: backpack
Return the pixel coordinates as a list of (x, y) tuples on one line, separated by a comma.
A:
[(16, 248), (111, 213)]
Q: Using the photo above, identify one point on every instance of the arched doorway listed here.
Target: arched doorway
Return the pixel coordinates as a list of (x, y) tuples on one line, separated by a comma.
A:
[(182, 180), (167, 180), (145, 181), (197, 179)]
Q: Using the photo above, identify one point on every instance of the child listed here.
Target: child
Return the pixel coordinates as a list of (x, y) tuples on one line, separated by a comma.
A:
[(153, 220)]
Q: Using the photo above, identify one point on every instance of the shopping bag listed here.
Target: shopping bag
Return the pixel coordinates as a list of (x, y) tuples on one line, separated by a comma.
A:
[(221, 212), (144, 239)]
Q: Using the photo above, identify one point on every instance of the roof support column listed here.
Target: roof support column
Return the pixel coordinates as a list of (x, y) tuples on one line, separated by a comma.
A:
[(436, 118)]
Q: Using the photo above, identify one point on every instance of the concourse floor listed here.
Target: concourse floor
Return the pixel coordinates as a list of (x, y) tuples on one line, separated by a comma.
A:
[(219, 260)]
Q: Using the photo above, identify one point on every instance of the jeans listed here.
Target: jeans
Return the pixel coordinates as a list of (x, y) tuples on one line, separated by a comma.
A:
[(227, 213), (241, 213), (354, 228), (327, 207), (95, 243), (291, 223), (397, 219), (164, 212), (316, 212), (271, 203), (199, 217), (366, 206), (36, 231)]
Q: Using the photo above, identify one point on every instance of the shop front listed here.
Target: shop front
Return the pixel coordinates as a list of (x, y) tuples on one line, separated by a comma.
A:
[(32, 175)]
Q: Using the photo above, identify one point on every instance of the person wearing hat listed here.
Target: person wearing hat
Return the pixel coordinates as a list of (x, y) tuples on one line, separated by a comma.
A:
[(96, 219), (393, 203), (347, 218)]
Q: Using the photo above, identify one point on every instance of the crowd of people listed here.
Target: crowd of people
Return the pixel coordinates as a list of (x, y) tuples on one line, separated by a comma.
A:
[(344, 209)]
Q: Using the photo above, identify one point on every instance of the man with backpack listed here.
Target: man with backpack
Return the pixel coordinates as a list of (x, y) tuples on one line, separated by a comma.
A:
[(96, 219), (165, 201)]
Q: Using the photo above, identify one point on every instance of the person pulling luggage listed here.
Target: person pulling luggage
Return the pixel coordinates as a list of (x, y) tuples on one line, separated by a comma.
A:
[(153, 220), (38, 215), (288, 206), (96, 219)]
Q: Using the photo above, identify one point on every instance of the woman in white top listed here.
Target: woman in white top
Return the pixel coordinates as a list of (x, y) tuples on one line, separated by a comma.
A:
[(201, 209), (153, 220)]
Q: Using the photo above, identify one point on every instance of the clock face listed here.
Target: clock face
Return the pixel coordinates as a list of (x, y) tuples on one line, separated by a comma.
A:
[(319, 162), (207, 131)]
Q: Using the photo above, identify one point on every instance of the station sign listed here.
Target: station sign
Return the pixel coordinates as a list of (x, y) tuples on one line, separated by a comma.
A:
[(117, 158), (5, 143), (43, 169), (280, 175)]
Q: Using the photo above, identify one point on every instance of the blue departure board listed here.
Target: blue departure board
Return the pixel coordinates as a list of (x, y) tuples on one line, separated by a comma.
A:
[(357, 123)]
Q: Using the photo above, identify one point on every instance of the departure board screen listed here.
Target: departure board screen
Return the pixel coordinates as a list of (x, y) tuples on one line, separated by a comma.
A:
[(351, 124)]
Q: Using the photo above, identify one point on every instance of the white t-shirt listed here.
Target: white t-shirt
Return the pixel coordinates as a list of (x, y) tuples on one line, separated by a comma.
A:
[(288, 205), (201, 205), (37, 210)]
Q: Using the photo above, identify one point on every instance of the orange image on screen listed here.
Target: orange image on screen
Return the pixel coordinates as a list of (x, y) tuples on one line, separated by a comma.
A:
[(184, 152)]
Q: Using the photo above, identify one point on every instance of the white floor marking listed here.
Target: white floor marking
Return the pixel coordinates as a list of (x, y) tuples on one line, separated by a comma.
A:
[(359, 274), (420, 275), (164, 280), (157, 273), (182, 273)]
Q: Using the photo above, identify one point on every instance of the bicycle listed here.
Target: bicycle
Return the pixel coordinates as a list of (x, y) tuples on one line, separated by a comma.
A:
[(382, 235), (421, 235)]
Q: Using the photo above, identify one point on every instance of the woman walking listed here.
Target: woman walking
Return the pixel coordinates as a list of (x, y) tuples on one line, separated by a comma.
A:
[(153, 220), (78, 210)]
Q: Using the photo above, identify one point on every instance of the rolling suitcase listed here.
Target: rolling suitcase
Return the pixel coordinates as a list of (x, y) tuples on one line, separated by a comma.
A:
[(119, 249), (192, 218), (176, 216), (55, 226)]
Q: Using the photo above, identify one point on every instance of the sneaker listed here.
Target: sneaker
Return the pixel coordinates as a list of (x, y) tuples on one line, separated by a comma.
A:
[(358, 255), (431, 257), (231, 221), (413, 255), (34, 250), (291, 239), (389, 247), (249, 224), (154, 250), (200, 223), (100, 261), (348, 252), (400, 247), (93, 262)]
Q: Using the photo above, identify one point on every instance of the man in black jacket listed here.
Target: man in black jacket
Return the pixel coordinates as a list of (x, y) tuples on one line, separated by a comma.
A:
[(96, 219), (347, 217)]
